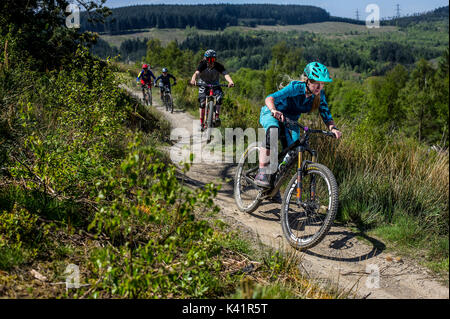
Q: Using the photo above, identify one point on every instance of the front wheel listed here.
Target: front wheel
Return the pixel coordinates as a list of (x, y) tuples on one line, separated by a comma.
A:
[(170, 102), (209, 119), (144, 96), (165, 102), (306, 222), (150, 96)]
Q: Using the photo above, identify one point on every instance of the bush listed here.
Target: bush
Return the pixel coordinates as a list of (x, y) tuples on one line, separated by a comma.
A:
[(159, 247)]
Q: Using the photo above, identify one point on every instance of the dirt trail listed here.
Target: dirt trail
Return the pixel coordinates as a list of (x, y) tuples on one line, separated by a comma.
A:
[(340, 259)]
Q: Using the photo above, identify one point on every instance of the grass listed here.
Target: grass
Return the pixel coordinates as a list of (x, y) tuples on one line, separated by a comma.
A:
[(165, 35), (11, 257), (322, 28), (410, 238), (179, 35), (398, 193)]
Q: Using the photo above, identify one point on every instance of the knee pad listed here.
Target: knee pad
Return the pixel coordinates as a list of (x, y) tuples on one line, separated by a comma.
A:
[(266, 143), (202, 103)]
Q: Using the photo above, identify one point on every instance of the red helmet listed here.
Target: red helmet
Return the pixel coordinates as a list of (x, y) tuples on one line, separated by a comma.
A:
[(144, 66)]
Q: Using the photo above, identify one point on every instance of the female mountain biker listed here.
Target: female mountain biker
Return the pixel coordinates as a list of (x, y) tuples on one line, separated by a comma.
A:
[(208, 72), (165, 80), (297, 97), (145, 77)]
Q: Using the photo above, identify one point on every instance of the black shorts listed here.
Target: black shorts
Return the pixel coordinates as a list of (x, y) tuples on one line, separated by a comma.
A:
[(204, 91), (162, 88)]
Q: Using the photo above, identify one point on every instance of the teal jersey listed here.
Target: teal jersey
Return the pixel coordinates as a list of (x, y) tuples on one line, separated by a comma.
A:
[(292, 102)]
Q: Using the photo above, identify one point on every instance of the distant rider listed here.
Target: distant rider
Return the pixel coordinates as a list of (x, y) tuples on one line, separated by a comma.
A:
[(208, 71), (165, 80), (145, 77)]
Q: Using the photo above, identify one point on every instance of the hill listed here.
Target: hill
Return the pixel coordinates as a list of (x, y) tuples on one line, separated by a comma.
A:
[(212, 17), (433, 15)]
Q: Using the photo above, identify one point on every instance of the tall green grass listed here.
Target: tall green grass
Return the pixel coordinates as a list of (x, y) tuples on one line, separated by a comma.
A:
[(392, 186)]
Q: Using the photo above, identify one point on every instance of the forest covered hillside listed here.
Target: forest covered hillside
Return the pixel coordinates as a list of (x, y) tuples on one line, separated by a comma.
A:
[(212, 17), (125, 20)]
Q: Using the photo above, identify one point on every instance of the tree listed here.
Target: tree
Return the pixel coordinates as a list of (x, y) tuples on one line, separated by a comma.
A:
[(155, 54), (383, 97), (417, 99), (31, 24)]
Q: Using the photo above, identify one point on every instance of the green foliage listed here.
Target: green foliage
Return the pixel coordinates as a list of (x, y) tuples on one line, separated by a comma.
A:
[(20, 234), (177, 61), (383, 96), (413, 102), (65, 155), (418, 101), (34, 33), (17, 226), (129, 50), (161, 247), (348, 99), (62, 132)]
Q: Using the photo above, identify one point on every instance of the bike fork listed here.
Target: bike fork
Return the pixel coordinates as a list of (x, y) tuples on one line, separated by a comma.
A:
[(313, 179), (299, 177)]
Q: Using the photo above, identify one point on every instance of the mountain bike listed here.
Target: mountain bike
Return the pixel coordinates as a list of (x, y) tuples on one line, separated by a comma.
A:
[(147, 93), (210, 102), (310, 200), (167, 97)]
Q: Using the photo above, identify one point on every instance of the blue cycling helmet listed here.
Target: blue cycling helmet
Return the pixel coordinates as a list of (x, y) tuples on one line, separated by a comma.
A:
[(164, 70), (318, 72), (210, 54)]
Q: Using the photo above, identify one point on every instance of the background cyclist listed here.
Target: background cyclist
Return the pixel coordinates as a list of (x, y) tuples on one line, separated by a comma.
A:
[(165, 80), (208, 71), (145, 77)]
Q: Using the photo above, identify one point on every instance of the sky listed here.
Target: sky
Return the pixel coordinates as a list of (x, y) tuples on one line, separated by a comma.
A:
[(341, 8)]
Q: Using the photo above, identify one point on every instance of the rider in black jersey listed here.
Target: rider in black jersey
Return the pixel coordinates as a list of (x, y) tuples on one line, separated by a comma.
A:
[(165, 80), (208, 71)]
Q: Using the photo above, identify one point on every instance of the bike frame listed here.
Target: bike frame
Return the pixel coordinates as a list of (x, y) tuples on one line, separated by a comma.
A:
[(280, 176), (166, 91), (146, 89), (210, 97), (301, 146)]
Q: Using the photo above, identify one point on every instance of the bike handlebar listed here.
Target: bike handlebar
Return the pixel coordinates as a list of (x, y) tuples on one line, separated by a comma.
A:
[(212, 85), (160, 84), (290, 123)]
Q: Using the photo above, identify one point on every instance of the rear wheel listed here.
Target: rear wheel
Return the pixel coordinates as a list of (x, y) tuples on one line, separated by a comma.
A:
[(306, 224), (246, 193), (149, 96), (144, 96), (170, 101)]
